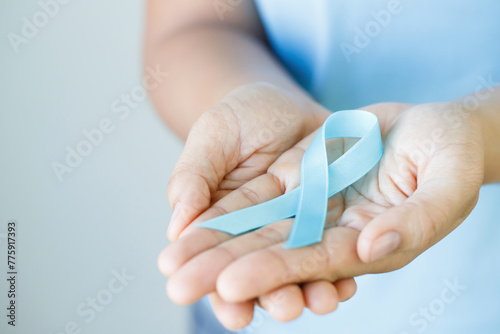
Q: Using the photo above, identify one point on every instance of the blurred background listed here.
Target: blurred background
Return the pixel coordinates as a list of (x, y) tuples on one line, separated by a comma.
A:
[(85, 163)]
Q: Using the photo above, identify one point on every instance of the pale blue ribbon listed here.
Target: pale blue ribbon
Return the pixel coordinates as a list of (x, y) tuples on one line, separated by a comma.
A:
[(318, 181)]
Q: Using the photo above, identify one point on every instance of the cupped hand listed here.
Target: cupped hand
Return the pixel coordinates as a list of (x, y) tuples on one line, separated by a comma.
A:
[(233, 143), (425, 185)]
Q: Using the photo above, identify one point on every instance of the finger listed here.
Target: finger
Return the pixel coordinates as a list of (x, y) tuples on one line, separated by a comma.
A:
[(262, 271), (216, 145), (195, 240), (283, 176), (180, 251), (321, 297), (198, 276), (211, 152), (194, 269), (386, 113), (346, 288), (233, 316), (285, 303), (192, 262), (434, 210), (185, 286)]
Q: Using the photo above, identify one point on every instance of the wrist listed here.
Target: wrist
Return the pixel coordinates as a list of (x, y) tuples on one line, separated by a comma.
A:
[(490, 120), (486, 106)]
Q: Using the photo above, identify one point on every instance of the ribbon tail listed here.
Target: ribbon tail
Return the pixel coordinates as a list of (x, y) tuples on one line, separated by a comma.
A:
[(256, 216), (312, 206)]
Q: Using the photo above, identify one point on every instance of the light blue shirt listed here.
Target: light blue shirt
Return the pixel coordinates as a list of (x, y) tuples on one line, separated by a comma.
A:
[(354, 53)]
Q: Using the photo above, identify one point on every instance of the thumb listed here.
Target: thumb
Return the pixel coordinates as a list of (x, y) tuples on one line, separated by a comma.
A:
[(428, 215), (199, 171)]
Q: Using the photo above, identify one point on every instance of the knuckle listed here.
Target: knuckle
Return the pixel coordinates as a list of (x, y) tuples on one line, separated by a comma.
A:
[(172, 188), (280, 264), (223, 116), (250, 195), (428, 223), (328, 258), (228, 252), (269, 233), (219, 210)]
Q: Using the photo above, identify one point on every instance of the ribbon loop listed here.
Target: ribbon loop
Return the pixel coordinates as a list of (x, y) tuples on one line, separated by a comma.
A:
[(318, 181)]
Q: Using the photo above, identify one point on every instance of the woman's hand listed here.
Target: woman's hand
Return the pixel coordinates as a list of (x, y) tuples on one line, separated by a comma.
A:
[(425, 185), (231, 144), (234, 142)]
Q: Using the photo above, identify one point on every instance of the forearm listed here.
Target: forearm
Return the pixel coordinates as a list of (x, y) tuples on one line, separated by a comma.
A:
[(205, 63)]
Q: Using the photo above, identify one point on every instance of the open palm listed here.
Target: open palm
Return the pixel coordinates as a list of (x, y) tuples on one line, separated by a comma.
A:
[(425, 185), (232, 143)]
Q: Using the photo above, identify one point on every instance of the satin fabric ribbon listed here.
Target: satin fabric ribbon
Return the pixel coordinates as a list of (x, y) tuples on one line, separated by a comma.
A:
[(318, 181)]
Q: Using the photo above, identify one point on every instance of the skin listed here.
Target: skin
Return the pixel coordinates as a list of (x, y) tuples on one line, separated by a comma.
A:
[(419, 192), (186, 38), (249, 125)]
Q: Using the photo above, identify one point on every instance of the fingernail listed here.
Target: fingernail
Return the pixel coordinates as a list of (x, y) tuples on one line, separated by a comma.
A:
[(354, 224), (385, 244), (174, 220)]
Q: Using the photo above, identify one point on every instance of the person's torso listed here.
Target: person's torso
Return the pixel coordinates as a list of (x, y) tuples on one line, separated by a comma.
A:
[(354, 53)]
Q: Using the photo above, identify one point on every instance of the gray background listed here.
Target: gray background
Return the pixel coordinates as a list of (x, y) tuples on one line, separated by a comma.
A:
[(111, 212)]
